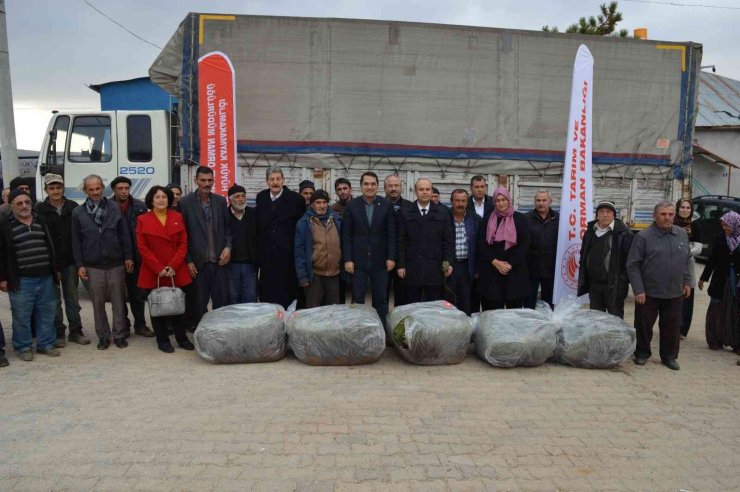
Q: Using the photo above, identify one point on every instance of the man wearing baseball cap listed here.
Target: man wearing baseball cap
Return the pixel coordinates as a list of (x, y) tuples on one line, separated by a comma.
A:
[(27, 274), (603, 266), (57, 212)]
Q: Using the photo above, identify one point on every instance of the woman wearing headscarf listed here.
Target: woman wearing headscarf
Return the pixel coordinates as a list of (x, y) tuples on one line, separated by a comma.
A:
[(503, 243), (723, 267), (684, 216)]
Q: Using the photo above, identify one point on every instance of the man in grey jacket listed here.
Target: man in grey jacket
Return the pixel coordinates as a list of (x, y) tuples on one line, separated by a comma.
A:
[(658, 269), (101, 247)]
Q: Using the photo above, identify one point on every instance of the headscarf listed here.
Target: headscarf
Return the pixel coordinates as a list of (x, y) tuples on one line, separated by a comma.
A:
[(682, 222), (732, 219), (506, 230)]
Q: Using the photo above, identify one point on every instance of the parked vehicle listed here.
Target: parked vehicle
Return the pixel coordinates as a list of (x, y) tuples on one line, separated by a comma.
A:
[(326, 98), (709, 209)]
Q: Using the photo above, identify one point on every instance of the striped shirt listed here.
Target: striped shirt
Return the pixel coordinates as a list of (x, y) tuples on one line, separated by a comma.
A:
[(31, 251)]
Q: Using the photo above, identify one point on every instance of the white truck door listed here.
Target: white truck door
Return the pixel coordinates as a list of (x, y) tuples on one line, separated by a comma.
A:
[(90, 150), (143, 149)]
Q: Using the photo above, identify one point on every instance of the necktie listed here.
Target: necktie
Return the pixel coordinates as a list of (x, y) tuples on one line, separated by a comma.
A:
[(423, 212)]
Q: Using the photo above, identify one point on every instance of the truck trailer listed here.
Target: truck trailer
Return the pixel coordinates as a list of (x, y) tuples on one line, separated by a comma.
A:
[(327, 98)]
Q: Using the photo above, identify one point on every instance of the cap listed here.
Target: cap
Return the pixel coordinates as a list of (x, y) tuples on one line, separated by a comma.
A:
[(235, 188), (607, 204), (306, 184), (16, 193), (19, 181), (118, 180), (53, 178), (319, 195)]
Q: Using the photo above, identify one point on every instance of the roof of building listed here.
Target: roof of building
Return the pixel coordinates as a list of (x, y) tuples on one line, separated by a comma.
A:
[(719, 101), (97, 87)]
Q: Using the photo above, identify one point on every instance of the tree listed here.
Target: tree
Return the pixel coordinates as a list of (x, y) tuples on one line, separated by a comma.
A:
[(604, 24)]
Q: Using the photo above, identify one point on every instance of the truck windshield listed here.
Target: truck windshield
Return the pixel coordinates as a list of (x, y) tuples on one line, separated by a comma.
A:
[(90, 140), (57, 141)]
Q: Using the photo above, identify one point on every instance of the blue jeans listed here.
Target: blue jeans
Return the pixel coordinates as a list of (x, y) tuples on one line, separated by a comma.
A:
[(379, 281), (36, 297), (242, 283), (70, 283)]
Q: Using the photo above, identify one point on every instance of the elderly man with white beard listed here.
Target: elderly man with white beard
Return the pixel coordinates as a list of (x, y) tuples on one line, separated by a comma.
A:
[(243, 265)]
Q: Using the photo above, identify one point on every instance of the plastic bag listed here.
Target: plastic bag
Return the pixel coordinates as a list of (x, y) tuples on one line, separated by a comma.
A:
[(241, 333), (591, 339), (338, 335), (515, 337), (430, 333)]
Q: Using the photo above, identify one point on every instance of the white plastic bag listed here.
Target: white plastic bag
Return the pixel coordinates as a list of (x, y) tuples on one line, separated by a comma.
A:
[(515, 337)]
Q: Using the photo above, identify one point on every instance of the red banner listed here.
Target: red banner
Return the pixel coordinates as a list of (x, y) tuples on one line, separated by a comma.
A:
[(217, 119)]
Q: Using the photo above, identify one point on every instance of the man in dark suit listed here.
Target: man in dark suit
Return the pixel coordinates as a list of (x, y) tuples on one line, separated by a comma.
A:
[(425, 241), (393, 189), (465, 227), (209, 242), (480, 204), (278, 212), (369, 243)]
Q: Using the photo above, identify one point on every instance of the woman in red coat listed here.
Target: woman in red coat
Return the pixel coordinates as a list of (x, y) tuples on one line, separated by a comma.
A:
[(163, 243)]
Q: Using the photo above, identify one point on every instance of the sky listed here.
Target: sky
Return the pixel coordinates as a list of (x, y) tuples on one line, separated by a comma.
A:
[(58, 47)]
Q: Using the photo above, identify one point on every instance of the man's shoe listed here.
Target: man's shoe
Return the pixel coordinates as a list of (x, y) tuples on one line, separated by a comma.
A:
[(103, 343), (672, 364), (60, 342), (120, 342), (186, 344), (640, 361), (166, 347), (51, 352), (126, 332), (78, 337), (144, 331), (4, 361), (26, 355)]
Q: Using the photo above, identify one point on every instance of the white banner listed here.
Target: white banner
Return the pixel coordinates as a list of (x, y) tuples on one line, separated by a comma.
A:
[(576, 207)]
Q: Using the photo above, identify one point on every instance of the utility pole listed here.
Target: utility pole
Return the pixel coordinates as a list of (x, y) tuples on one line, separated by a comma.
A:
[(8, 150)]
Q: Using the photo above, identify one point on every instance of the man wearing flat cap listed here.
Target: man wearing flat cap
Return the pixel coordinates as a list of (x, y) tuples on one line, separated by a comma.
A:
[(131, 208), (27, 274), (603, 267), (243, 265), (17, 183), (306, 188), (318, 253), (57, 210)]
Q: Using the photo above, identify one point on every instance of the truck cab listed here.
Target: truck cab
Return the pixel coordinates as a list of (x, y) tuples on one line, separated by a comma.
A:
[(135, 144)]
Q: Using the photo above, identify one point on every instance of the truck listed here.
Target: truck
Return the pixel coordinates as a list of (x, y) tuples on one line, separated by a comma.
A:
[(325, 98)]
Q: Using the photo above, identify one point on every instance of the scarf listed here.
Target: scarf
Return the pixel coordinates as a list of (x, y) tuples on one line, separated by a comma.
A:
[(506, 230), (732, 219), (684, 223), (97, 210)]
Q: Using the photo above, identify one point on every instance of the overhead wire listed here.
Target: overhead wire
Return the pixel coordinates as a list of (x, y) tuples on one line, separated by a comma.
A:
[(677, 4), (120, 25)]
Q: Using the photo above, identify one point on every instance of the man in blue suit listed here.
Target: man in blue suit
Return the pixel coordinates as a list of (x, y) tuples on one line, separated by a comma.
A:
[(369, 243)]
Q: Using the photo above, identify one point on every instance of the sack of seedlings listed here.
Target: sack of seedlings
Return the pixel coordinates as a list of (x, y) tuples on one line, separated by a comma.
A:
[(430, 333), (241, 333), (591, 339), (515, 337), (339, 335)]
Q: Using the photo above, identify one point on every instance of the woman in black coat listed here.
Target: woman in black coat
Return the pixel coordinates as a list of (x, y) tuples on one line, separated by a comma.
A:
[(723, 268), (503, 243)]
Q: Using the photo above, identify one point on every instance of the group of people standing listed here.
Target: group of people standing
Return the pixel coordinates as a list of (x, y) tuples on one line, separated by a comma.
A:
[(300, 247)]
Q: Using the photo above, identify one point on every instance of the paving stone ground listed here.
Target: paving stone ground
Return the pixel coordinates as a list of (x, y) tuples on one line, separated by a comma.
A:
[(138, 419)]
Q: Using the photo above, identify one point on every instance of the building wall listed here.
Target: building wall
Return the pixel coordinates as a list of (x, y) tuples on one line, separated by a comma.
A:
[(710, 177), (138, 94)]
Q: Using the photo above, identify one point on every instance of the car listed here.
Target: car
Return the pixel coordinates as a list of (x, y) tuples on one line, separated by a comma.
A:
[(707, 211)]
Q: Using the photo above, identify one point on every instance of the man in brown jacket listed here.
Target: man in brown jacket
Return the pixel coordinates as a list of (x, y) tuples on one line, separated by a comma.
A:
[(318, 253)]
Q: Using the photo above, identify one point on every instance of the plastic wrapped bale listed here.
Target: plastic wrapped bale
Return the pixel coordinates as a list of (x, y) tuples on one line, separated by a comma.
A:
[(515, 337), (591, 339), (339, 335), (242, 333), (430, 333)]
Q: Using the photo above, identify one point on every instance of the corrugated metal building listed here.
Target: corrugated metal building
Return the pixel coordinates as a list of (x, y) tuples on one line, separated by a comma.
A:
[(133, 94), (716, 164)]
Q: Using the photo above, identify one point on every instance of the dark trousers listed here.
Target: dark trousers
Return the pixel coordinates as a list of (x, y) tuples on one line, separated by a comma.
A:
[(546, 284), (192, 311), (423, 293), (598, 298), (212, 283), (2, 340), (278, 284), (399, 288), (379, 281), (322, 291), (344, 286), (135, 300), (475, 299), (491, 304), (687, 313), (669, 313), (68, 295), (177, 323), (459, 287)]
